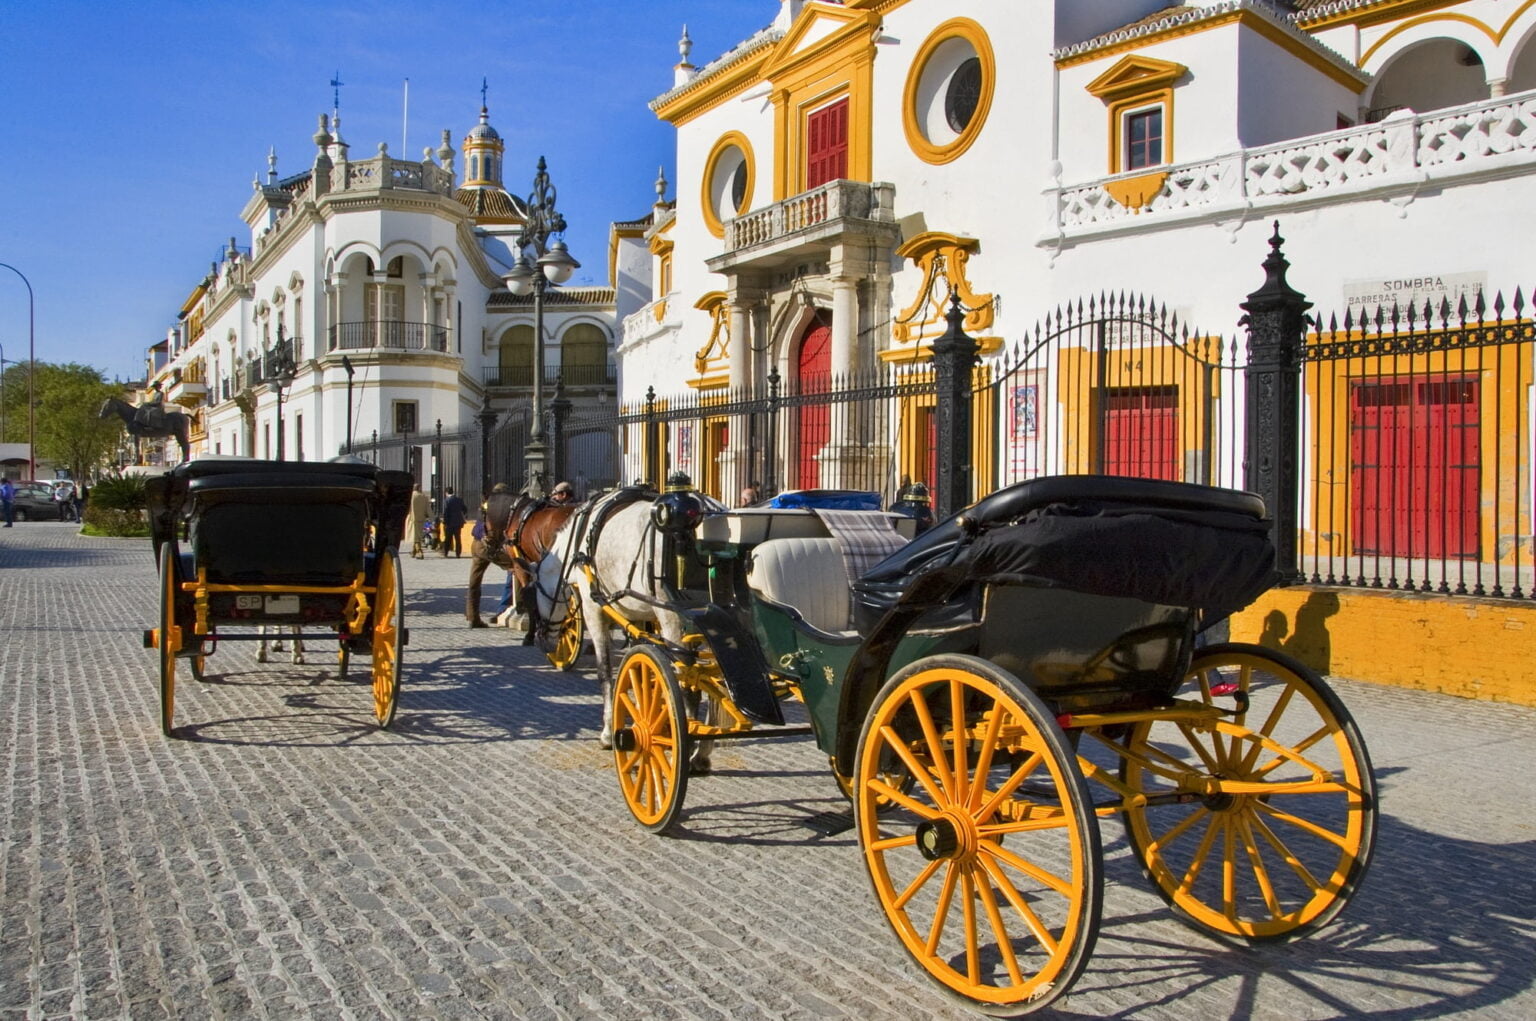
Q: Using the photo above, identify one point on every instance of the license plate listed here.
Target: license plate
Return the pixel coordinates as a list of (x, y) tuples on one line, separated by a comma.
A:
[(247, 602), (282, 604)]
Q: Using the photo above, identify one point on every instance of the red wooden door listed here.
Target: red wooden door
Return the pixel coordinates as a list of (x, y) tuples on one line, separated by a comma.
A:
[(1415, 467), (814, 421), (826, 156), (1141, 433)]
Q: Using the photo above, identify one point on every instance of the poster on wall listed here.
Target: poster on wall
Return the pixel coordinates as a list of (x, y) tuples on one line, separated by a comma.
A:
[(1023, 428), (685, 448)]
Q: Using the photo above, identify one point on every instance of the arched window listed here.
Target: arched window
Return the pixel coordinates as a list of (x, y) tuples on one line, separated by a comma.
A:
[(515, 363), (584, 355)]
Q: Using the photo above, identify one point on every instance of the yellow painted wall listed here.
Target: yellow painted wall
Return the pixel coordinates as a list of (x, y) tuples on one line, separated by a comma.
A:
[(1474, 648)]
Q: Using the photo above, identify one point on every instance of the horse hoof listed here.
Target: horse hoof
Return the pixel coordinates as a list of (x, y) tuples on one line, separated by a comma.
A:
[(605, 742), (703, 767)]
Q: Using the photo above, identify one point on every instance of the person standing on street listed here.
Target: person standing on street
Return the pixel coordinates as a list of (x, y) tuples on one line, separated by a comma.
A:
[(8, 499), (416, 523), (454, 514), (495, 519)]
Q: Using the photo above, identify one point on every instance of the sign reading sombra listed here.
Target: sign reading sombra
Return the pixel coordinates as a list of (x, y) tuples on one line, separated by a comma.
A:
[(1403, 291)]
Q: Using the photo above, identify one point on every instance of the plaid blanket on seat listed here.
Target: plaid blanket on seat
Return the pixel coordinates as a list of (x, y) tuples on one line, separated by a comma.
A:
[(865, 538)]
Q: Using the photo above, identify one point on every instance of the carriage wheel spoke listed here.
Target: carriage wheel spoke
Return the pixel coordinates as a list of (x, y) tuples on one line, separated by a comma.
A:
[(1000, 931), (1202, 852), (941, 910), (972, 937), (935, 745), (962, 773), (984, 760), (1212, 756), (1260, 872), (893, 740), (1033, 921), (1339, 840), (890, 793), (1300, 869), (1229, 868), (917, 883), (1177, 830), (1035, 872), (1003, 793)]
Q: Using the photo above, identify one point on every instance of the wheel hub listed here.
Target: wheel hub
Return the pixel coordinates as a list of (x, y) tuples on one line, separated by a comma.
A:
[(949, 836), (625, 739)]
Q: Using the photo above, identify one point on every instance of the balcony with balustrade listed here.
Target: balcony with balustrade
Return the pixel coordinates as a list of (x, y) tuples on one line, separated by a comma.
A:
[(809, 225), (1391, 159), (188, 386), (571, 377), (387, 335)]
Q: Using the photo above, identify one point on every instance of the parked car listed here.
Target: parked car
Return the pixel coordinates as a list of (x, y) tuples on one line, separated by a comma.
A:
[(35, 502)]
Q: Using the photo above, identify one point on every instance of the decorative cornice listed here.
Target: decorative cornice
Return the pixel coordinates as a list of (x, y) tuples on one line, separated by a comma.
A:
[(715, 70), (505, 301)]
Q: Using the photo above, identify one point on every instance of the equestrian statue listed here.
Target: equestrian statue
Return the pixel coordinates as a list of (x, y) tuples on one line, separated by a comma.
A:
[(149, 420)]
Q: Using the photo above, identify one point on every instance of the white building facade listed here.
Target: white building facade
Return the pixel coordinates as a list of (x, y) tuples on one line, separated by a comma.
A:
[(381, 279), (845, 169)]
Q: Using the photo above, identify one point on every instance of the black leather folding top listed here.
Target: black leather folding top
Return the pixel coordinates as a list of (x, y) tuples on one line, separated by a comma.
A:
[(1170, 543)]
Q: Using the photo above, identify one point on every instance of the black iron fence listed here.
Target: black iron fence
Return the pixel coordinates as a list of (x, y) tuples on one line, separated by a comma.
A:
[(1394, 450), (1418, 444)]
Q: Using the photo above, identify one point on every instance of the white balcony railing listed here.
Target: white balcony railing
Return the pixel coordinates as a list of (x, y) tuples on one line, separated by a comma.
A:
[(835, 200), (1399, 152)]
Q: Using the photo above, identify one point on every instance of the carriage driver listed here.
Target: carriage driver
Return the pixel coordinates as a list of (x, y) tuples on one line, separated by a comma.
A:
[(496, 518)]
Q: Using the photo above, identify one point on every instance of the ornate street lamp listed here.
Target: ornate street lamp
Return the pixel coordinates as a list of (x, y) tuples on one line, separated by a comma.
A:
[(538, 265), (346, 364), (32, 368), (281, 374)]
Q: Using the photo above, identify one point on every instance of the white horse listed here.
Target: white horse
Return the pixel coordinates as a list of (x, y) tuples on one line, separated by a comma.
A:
[(627, 559)]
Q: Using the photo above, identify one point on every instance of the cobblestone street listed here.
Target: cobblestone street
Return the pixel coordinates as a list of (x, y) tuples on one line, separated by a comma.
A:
[(286, 859)]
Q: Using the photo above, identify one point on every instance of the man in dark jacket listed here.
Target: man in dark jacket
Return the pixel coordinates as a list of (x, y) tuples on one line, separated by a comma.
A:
[(495, 518), (454, 515)]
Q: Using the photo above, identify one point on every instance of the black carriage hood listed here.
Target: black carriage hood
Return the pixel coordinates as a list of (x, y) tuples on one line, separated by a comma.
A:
[(1171, 543)]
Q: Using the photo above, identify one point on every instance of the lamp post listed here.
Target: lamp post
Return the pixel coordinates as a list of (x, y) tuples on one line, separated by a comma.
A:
[(3, 364), (346, 364), (282, 370), (538, 265), (487, 419), (32, 369)]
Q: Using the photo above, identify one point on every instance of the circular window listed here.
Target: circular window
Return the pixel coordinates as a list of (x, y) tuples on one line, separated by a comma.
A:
[(728, 178), (949, 91)]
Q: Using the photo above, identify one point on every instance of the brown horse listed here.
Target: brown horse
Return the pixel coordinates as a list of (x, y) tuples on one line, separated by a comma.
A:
[(536, 522)]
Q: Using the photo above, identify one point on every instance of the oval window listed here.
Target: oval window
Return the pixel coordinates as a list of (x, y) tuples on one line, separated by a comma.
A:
[(949, 91), (727, 182)]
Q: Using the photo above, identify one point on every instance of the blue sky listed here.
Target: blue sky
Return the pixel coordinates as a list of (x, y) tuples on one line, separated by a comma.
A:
[(133, 129)]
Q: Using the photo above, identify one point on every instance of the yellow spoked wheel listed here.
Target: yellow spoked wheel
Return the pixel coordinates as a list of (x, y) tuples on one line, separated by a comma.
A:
[(1007, 926), (650, 738), (1281, 833), (168, 636), (199, 665), (562, 646), (388, 635)]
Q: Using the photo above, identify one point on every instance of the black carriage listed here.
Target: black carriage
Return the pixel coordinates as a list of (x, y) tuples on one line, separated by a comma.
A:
[(245, 546), (996, 686)]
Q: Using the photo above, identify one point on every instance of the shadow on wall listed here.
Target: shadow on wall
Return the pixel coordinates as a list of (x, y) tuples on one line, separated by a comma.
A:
[(1310, 643)]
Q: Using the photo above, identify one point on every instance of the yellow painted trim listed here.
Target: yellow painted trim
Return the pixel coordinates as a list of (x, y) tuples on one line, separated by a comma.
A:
[(1472, 648), (711, 381), (715, 347), (936, 254), (1136, 192), (660, 244), (836, 66), (1352, 79), (722, 86), (1373, 15), (913, 439), (917, 354), (1135, 76), (724, 143), (973, 33), (1493, 35)]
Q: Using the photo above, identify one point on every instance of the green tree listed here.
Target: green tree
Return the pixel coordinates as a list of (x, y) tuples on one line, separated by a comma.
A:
[(69, 433)]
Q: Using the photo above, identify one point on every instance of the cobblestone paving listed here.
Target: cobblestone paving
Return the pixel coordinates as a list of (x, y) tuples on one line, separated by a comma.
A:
[(286, 859)]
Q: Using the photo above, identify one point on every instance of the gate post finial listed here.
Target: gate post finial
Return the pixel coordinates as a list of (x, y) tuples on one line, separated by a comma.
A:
[(1276, 319), (954, 355)]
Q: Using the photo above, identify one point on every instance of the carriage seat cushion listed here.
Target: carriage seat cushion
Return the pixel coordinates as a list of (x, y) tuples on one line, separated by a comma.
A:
[(806, 575)]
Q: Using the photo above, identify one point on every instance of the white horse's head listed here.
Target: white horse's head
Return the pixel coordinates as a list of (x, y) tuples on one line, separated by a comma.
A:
[(550, 583)]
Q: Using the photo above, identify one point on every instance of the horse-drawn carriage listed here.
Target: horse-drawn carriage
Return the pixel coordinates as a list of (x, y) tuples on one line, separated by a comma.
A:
[(990, 690), (292, 544)]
